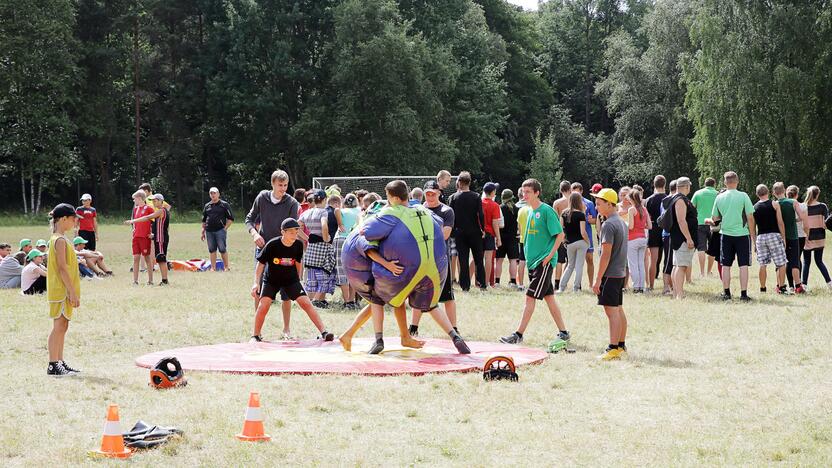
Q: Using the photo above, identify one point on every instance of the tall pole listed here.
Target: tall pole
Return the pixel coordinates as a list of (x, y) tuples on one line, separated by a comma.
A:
[(136, 98)]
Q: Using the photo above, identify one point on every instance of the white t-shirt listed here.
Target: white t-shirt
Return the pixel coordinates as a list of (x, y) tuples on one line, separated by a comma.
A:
[(30, 274)]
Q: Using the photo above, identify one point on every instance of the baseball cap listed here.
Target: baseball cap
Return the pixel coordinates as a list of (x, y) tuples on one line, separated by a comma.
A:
[(41, 243), (607, 194), (507, 195), (25, 242), (490, 187), (432, 186), (213, 189), (79, 240), (319, 195), (596, 188), (289, 223), (157, 196), (86, 196), (33, 254), (62, 210)]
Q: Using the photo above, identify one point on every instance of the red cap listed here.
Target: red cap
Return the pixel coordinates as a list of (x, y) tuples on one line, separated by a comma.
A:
[(596, 188)]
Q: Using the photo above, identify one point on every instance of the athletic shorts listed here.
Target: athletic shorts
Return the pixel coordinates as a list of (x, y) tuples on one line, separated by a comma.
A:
[(540, 282), (160, 247), (562, 255), (287, 291), (521, 254), (216, 240), (703, 237), (654, 238), (612, 292), (738, 247), (489, 243), (56, 309), (668, 256), (715, 245), (770, 249), (793, 253), (447, 293), (508, 249), (88, 236), (683, 256), (141, 246)]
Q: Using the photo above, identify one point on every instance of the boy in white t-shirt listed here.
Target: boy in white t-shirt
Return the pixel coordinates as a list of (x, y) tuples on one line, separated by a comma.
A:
[(33, 278)]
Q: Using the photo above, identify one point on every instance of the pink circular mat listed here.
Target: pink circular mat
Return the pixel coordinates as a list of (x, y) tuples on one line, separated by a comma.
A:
[(318, 357)]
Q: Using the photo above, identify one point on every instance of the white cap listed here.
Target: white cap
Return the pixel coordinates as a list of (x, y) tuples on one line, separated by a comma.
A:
[(86, 196), (158, 196), (213, 189)]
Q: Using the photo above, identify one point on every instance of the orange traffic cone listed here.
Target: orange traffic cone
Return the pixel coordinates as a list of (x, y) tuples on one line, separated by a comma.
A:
[(253, 427), (112, 444)]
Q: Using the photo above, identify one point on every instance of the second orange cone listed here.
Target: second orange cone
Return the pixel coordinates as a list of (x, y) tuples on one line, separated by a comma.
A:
[(112, 443), (253, 426)]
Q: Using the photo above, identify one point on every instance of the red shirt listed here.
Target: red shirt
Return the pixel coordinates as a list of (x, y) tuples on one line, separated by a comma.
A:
[(142, 229), (491, 210), (87, 221)]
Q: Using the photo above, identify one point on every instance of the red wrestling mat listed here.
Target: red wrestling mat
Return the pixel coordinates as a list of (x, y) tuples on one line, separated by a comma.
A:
[(318, 357)]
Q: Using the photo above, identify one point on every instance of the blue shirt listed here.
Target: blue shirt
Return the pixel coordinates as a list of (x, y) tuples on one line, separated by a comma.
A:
[(590, 211)]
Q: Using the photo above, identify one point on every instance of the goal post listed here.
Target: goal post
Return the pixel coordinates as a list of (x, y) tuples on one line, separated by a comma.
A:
[(376, 183)]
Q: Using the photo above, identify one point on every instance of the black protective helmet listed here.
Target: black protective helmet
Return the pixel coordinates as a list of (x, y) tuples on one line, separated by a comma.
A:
[(167, 373)]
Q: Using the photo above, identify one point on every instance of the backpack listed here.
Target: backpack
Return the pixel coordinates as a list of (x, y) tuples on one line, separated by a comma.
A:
[(665, 220)]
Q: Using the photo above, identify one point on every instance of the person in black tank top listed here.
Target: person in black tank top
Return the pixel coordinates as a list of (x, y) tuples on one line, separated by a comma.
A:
[(771, 238)]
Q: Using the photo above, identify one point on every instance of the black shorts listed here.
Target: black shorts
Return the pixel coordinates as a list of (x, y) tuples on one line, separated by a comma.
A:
[(521, 254), (612, 292), (562, 253), (287, 291), (714, 245), (160, 247), (489, 243), (654, 238), (793, 254), (447, 293), (703, 237), (88, 236), (738, 247), (540, 282), (508, 249), (668, 256)]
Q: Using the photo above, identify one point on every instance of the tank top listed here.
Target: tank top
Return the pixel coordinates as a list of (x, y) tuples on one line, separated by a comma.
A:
[(55, 288), (789, 217), (349, 218), (639, 225), (765, 217)]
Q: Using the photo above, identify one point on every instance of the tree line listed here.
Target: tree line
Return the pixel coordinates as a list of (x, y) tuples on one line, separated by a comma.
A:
[(100, 95)]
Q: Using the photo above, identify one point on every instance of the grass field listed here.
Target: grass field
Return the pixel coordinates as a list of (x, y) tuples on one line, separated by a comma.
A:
[(706, 383)]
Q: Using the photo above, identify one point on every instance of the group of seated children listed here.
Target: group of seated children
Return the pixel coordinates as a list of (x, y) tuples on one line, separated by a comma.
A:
[(26, 269)]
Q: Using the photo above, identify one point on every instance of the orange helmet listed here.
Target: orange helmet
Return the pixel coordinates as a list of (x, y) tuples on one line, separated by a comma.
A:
[(167, 373)]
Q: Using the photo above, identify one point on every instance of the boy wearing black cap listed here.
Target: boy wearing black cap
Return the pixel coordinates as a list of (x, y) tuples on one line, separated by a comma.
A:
[(283, 255)]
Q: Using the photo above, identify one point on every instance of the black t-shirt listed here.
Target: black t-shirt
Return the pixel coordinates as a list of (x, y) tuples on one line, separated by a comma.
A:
[(572, 226), (654, 208), (676, 236), (331, 223), (508, 233), (467, 208), (765, 217), (280, 261), (215, 215)]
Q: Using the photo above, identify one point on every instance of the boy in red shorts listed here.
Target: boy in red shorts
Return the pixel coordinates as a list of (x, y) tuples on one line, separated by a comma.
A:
[(141, 236)]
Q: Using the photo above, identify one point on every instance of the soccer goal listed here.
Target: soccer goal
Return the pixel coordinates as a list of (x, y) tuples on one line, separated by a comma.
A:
[(376, 183)]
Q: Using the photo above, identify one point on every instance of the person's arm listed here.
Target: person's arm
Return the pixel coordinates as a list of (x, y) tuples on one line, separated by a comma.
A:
[(780, 224), (804, 219), (391, 266), (41, 270), (258, 276), (340, 220), (752, 223), (446, 232), (325, 228), (603, 263), (715, 216), (252, 215), (583, 231), (480, 216), (681, 210), (631, 219), (495, 224), (229, 216), (63, 271), (648, 222), (95, 225), (153, 215)]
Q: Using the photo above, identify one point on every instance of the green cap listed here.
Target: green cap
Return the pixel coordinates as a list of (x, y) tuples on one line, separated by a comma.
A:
[(79, 240), (33, 254), (41, 243), (25, 242)]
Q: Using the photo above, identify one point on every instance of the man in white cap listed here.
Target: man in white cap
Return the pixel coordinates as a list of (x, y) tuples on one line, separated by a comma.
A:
[(87, 224), (216, 219)]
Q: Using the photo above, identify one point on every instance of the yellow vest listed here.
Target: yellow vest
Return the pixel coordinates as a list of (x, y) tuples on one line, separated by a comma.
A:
[(522, 220), (55, 288)]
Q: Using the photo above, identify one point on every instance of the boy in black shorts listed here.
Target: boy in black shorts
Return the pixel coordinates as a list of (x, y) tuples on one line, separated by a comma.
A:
[(612, 268), (283, 255)]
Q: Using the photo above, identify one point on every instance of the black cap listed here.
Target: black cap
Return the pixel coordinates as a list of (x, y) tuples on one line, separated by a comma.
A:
[(432, 185), (63, 210), (289, 223)]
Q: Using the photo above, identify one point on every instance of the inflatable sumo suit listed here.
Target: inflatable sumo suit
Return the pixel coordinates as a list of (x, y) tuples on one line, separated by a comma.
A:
[(411, 235)]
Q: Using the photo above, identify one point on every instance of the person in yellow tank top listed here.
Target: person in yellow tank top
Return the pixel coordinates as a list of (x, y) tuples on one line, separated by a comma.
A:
[(63, 284), (522, 219)]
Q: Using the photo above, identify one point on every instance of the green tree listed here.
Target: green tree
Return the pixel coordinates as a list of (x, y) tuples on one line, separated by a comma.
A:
[(546, 165)]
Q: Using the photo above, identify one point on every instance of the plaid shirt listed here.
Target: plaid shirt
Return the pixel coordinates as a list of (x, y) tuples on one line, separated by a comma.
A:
[(320, 255)]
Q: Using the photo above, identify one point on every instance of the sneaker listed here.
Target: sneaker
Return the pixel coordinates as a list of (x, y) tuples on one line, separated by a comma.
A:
[(320, 304), (521, 287), (564, 336), (413, 330), (67, 367), (611, 354), (164, 283), (378, 347), (326, 336), (514, 338), (255, 339), (288, 337), (745, 299), (800, 290), (725, 297), (460, 345), (58, 369)]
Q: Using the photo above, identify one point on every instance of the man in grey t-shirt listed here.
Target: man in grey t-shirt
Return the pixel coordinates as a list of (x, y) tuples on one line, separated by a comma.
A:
[(612, 268)]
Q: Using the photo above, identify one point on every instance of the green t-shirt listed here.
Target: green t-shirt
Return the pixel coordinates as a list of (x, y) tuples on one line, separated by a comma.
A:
[(734, 208), (542, 227), (703, 200), (789, 217)]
